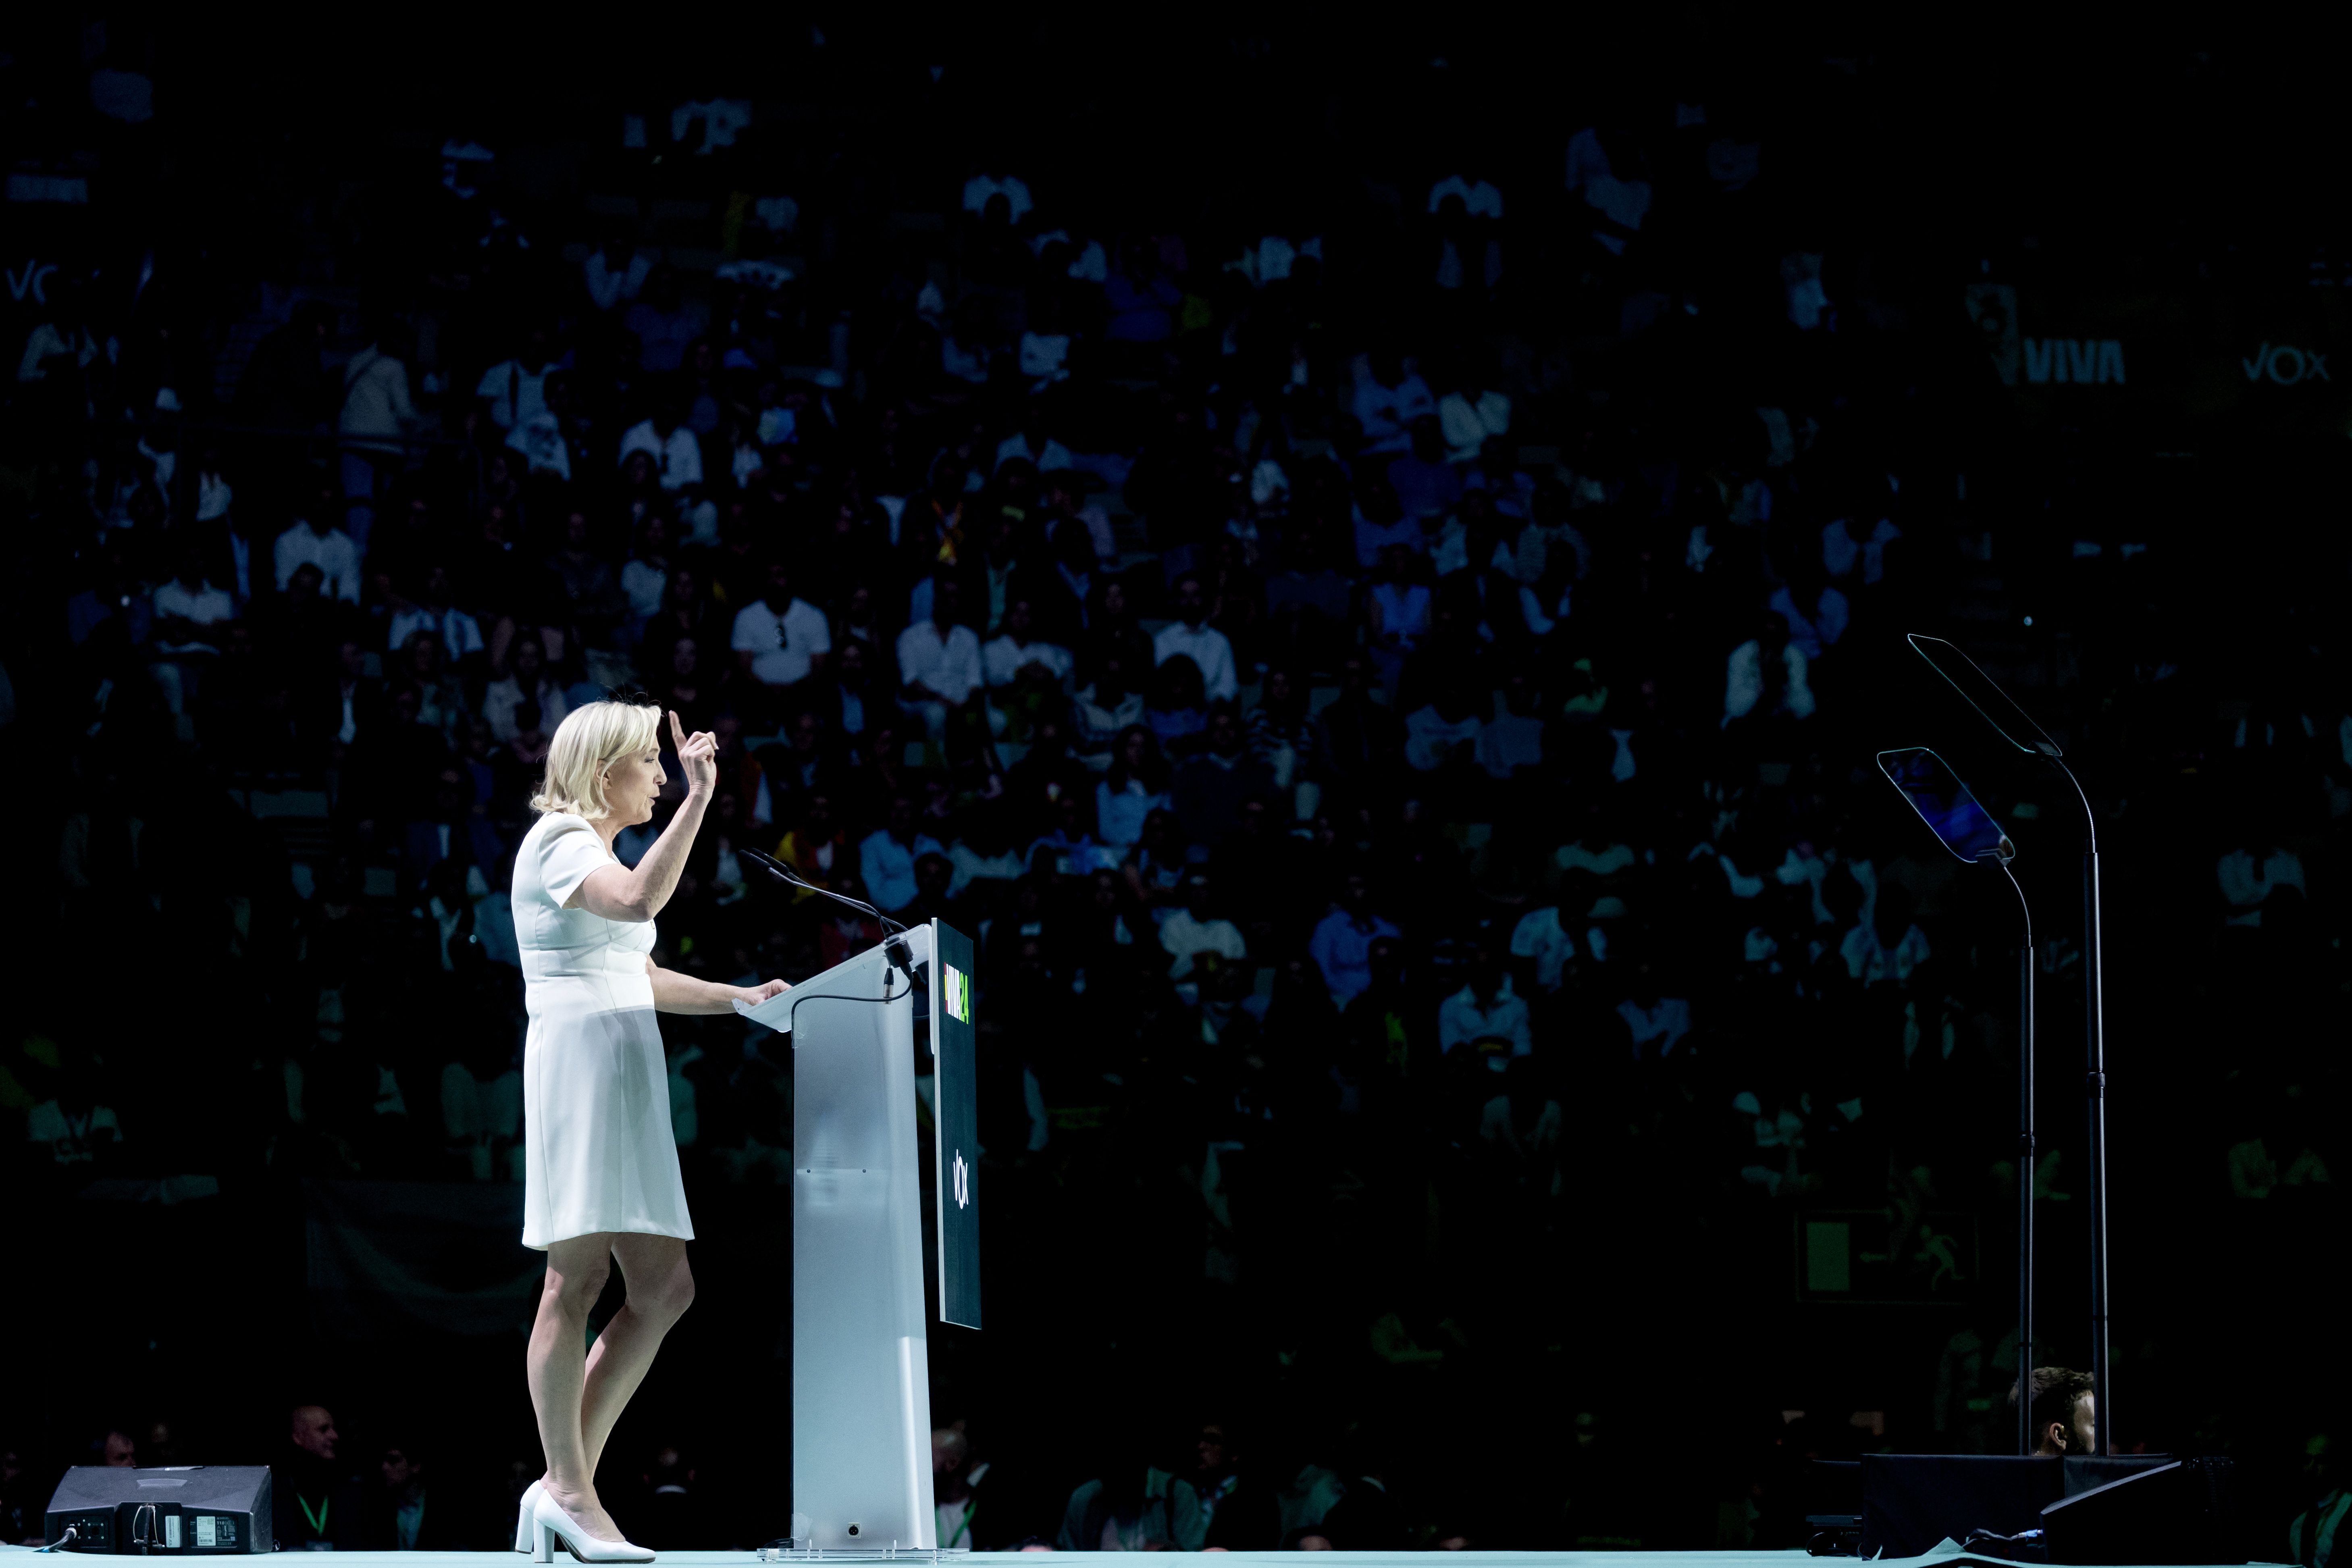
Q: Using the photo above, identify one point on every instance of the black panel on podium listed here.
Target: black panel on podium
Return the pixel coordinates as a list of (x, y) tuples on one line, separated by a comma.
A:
[(955, 1057)]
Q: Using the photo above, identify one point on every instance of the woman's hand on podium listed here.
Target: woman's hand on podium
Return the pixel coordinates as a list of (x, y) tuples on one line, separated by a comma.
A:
[(755, 994)]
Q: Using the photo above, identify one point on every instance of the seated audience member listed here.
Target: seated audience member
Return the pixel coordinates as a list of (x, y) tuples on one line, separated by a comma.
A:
[(886, 860), (1426, 484), (526, 680), (1208, 787), (459, 830), (938, 660), (1342, 943), (1852, 551), (1176, 712), (1191, 930), (1469, 416), (2065, 1418), (315, 541), (1104, 709), (1188, 636), (400, 1513), (1766, 678), (315, 1499), (1397, 612), (1221, 1504), (1389, 398), (1125, 1509), (1545, 946), (435, 611), (2311, 1535), (191, 618), (955, 1489), (1003, 658), (781, 639), (1133, 788), (1816, 613), (1486, 1016)]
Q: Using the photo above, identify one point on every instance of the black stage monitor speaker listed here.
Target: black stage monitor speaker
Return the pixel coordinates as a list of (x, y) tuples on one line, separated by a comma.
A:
[(2185, 1511), (1911, 1501), (182, 1508)]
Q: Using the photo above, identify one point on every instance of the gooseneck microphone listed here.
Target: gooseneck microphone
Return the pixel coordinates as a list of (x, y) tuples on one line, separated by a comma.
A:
[(894, 945)]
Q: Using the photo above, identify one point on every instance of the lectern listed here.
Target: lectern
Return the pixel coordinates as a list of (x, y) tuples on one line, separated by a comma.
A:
[(861, 1382)]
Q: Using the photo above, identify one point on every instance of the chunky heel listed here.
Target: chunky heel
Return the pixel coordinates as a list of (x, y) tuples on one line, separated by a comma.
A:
[(553, 1527), (523, 1515)]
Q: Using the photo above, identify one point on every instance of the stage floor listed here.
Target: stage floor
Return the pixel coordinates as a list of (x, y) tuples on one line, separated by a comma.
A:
[(1953, 1558)]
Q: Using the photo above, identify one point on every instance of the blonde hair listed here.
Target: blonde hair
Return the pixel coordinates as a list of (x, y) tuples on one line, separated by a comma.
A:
[(589, 740)]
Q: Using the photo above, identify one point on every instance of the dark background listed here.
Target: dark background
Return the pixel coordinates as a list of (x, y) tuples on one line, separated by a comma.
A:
[(1622, 1362)]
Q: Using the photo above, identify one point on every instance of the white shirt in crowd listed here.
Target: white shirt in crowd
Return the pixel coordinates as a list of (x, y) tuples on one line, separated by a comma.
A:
[(1429, 737), (1001, 659), (1541, 936), (2245, 883), (677, 459), (540, 441), (501, 698), (1624, 202), (1185, 938), (1462, 1021), (721, 119), (780, 645), (1052, 457), (1015, 192), (332, 552), (203, 606), (645, 583), (1870, 960), (1667, 1023), (1840, 550), (1044, 355), (46, 343), (1482, 199), (948, 665), (1743, 685), (609, 286), (1466, 425), (460, 633), (375, 396), (515, 392), (1206, 646)]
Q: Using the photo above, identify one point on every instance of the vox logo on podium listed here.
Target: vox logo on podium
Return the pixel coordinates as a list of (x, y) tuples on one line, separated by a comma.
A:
[(958, 994), (962, 1182)]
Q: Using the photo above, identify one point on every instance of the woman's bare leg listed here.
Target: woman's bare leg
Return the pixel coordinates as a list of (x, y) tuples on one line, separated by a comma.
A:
[(576, 1271), (661, 1288)]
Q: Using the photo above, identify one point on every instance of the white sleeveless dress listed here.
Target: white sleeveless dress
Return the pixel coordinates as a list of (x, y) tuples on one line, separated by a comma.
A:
[(598, 1152)]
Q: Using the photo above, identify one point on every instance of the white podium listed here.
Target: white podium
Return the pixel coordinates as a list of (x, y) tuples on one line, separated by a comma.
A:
[(861, 1379)]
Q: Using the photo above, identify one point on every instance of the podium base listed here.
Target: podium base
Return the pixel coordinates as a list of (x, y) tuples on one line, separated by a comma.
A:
[(791, 1550)]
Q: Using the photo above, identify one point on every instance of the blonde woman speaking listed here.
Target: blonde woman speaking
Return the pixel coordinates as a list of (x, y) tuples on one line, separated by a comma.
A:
[(601, 1179)]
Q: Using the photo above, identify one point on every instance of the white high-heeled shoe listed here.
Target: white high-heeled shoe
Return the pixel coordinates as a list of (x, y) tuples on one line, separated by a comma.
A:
[(530, 1494), (550, 1526)]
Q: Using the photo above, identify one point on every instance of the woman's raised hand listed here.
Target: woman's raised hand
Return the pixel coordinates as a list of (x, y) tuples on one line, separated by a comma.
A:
[(698, 756)]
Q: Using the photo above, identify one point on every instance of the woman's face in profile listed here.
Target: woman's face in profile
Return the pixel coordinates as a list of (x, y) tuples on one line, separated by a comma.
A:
[(632, 785)]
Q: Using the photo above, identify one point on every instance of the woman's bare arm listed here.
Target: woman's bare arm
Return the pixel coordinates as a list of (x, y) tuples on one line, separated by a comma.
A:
[(617, 893), (676, 993)]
